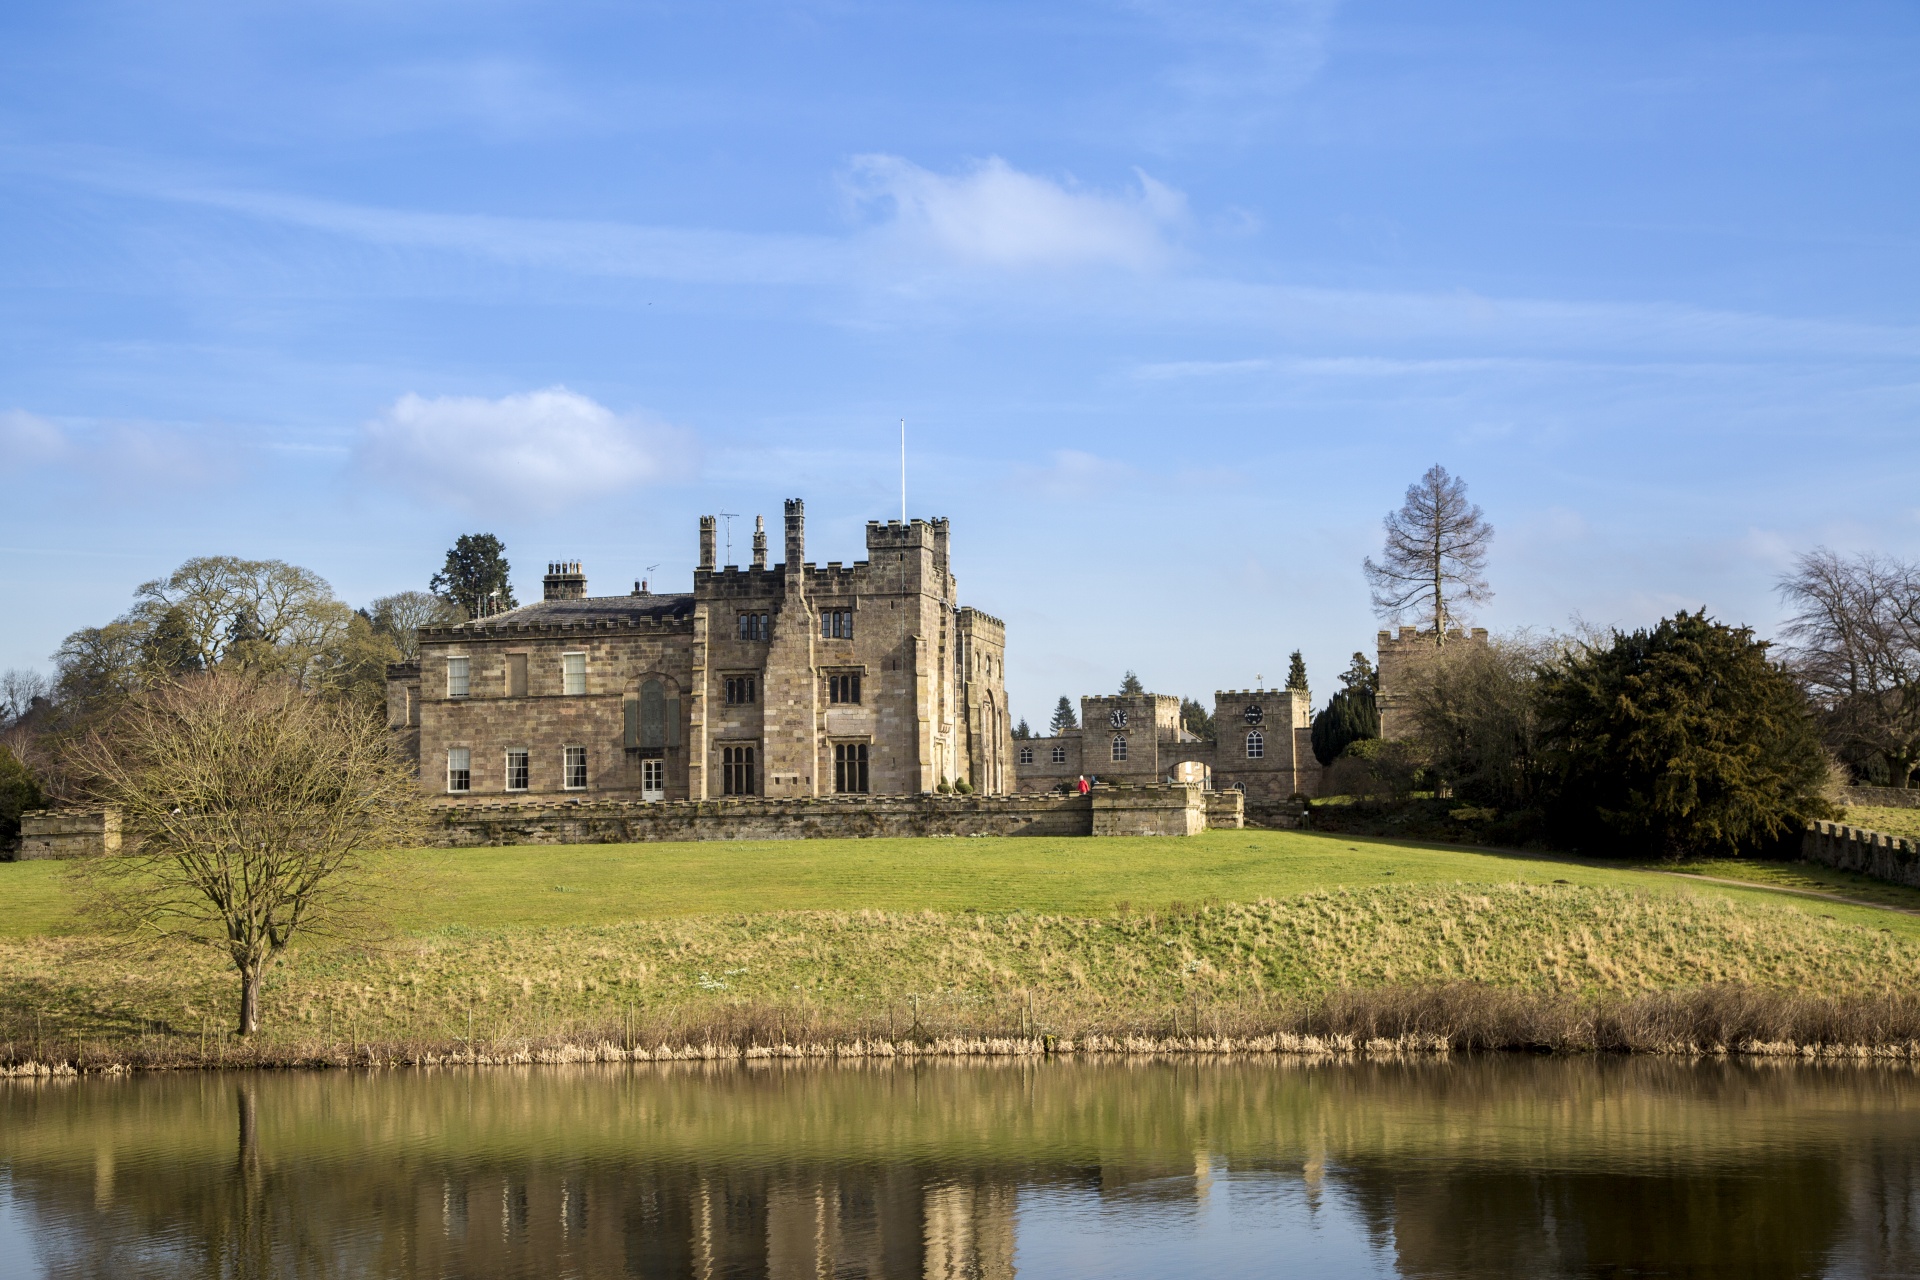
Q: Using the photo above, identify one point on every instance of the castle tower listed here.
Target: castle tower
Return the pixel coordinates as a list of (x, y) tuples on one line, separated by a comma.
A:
[(759, 542), (709, 539), (791, 710)]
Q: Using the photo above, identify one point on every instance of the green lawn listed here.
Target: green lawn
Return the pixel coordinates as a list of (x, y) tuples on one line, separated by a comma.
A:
[(1895, 822), (552, 886)]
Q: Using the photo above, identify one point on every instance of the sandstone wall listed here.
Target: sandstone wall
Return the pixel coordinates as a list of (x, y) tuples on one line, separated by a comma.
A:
[(68, 833), (1871, 853)]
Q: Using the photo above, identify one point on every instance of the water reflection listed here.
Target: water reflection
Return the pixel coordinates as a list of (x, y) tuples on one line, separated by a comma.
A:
[(1443, 1169)]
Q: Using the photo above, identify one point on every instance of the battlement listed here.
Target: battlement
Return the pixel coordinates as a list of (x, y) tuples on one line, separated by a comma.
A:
[(1414, 637), (894, 536)]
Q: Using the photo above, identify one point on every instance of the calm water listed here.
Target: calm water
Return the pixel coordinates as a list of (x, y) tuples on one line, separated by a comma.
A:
[(1128, 1168)]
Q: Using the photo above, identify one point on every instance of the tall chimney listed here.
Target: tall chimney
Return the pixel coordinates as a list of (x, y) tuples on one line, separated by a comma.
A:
[(565, 580), (709, 535), (759, 542), (796, 536)]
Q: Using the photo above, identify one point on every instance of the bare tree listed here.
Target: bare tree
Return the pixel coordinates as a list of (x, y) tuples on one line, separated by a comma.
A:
[(402, 614), (1435, 553), (251, 810), (265, 614), (20, 691), (1856, 647)]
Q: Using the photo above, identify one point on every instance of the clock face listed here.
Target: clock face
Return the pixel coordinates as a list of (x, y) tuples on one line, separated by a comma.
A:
[(1117, 718), (1255, 714)]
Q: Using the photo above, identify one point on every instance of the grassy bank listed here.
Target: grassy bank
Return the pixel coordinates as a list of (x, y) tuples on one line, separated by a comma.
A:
[(1242, 934)]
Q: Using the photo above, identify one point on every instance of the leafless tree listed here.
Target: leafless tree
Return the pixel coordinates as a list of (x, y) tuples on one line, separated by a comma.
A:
[(19, 691), (1474, 716), (251, 811), (1435, 554), (1856, 645), (402, 614)]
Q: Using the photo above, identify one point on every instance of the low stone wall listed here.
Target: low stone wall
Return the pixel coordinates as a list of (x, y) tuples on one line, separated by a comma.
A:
[(1160, 810), (1882, 797), (1282, 815), (1871, 853), (1226, 809), (68, 833)]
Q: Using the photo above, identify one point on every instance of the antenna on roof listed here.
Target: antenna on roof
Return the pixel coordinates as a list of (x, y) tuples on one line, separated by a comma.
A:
[(728, 517)]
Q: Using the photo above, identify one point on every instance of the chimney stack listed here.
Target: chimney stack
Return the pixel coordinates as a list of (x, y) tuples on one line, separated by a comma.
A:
[(759, 542), (709, 536), (796, 536), (564, 581)]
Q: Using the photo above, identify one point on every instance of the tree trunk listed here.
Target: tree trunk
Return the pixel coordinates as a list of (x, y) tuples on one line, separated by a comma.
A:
[(250, 972)]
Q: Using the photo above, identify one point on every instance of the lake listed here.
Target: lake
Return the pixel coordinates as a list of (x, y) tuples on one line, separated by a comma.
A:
[(1123, 1167)]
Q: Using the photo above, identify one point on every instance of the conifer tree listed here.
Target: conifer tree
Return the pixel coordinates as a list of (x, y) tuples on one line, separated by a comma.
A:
[(1297, 672), (1063, 717), (1435, 551), (1131, 683), (1021, 732), (475, 576)]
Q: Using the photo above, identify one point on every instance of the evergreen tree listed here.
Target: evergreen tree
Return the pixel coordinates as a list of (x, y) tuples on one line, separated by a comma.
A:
[(476, 568), (1021, 732), (1131, 683), (1297, 672), (1196, 719), (19, 791), (1685, 740), (1349, 716), (1435, 553), (1063, 717), (1360, 675)]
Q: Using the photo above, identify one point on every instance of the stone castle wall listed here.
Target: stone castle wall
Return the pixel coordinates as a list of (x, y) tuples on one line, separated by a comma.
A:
[(1871, 853), (68, 833), (1158, 811)]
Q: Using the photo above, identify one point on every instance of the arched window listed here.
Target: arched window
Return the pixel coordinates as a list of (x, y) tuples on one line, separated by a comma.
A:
[(1119, 746), (1026, 755), (1256, 745)]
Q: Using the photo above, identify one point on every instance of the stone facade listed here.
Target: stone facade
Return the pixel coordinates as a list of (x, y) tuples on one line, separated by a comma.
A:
[(1264, 746), (1157, 810), (1395, 657), (68, 833), (789, 680)]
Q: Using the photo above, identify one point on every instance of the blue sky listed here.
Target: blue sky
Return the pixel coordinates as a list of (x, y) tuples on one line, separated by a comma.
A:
[(1177, 299)]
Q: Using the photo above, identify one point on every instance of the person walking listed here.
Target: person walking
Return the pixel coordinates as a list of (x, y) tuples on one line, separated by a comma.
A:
[(1085, 786)]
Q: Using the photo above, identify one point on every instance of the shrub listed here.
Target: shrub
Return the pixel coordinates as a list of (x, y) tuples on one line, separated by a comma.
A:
[(1684, 739), (19, 791)]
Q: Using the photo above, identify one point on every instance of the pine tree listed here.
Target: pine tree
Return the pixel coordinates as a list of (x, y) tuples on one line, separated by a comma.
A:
[(1063, 717), (475, 576), (1435, 551), (1360, 675), (1349, 717), (1297, 672), (1021, 732), (1196, 719), (1131, 683)]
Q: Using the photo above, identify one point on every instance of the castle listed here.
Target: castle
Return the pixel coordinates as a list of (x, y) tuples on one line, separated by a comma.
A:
[(796, 681), (789, 681)]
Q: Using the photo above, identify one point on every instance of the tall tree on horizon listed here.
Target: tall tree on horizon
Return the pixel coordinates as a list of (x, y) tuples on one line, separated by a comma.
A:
[(1297, 672), (475, 570), (1435, 555), (1063, 717), (1131, 683)]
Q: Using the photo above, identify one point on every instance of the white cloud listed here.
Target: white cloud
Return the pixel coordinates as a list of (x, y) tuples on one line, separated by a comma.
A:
[(1170, 369), (537, 450), (993, 214), (28, 439)]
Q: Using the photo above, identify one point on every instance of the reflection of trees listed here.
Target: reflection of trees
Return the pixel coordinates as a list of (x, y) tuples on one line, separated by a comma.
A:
[(1471, 1167)]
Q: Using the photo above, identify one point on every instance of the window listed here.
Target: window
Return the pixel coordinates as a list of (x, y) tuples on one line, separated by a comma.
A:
[(457, 675), (517, 771), (653, 778), (741, 690), (1119, 746), (576, 768), (1026, 755), (1256, 745), (736, 771), (459, 770), (836, 624), (843, 688), (653, 715), (516, 675), (573, 673), (850, 768), (1059, 754), (756, 626)]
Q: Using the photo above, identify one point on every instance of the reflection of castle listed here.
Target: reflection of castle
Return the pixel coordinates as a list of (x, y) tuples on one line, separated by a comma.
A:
[(667, 1222)]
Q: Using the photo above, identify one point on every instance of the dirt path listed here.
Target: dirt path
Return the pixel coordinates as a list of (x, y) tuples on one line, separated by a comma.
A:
[(1801, 893)]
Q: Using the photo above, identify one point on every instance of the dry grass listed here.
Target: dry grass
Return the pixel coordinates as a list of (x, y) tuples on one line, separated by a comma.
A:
[(1481, 966), (1895, 822)]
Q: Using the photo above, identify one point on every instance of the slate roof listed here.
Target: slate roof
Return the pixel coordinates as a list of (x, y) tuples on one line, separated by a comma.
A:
[(547, 613)]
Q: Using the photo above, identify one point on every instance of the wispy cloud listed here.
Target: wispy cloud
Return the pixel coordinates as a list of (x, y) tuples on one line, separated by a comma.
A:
[(29, 439), (534, 451), (994, 214), (118, 454), (1171, 369)]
